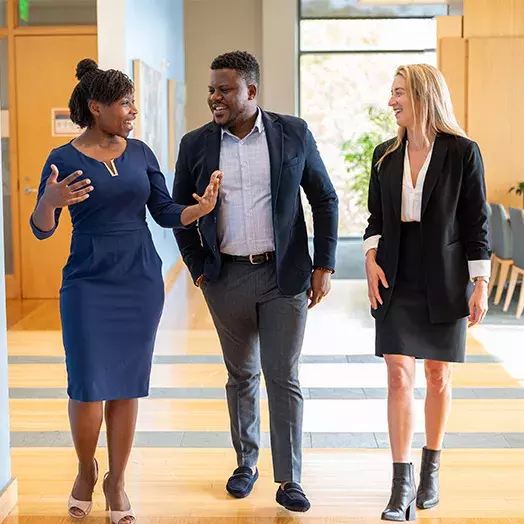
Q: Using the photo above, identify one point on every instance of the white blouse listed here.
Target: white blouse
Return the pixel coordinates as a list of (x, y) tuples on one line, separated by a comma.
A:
[(412, 196), (412, 210)]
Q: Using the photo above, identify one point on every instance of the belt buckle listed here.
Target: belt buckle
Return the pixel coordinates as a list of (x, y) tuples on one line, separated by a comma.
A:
[(253, 257)]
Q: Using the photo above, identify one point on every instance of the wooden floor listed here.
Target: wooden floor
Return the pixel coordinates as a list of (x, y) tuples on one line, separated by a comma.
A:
[(482, 469)]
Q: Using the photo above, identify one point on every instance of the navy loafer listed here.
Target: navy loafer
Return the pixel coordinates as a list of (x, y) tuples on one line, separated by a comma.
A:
[(241, 483), (292, 497)]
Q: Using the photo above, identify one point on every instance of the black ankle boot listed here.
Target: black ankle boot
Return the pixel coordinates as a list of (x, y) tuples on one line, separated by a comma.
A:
[(401, 504), (427, 494)]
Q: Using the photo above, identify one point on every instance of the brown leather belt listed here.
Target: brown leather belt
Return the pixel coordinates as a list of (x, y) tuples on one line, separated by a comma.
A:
[(255, 260)]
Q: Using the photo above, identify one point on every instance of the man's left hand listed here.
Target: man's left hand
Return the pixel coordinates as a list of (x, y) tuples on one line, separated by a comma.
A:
[(320, 286)]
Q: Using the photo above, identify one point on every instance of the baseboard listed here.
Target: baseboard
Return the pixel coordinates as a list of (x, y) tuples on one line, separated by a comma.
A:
[(8, 498), (173, 274)]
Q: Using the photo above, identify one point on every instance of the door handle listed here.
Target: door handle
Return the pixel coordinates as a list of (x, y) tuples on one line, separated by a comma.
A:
[(30, 190)]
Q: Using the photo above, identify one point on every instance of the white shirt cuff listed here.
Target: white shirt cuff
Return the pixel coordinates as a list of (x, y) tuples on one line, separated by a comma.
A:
[(479, 268), (370, 243)]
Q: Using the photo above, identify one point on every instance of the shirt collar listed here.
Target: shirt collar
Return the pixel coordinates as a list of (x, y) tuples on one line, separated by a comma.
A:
[(258, 127)]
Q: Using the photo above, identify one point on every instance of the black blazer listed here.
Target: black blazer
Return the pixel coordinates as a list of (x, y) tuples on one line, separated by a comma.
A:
[(295, 162), (454, 222)]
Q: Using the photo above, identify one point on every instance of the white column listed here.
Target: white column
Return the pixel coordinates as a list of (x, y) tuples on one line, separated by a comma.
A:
[(8, 492), (111, 34)]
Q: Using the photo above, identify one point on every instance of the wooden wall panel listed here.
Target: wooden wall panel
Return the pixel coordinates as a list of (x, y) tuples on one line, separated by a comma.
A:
[(496, 112), (490, 18), (449, 26)]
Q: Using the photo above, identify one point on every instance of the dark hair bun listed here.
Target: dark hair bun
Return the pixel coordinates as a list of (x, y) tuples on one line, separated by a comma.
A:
[(87, 65)]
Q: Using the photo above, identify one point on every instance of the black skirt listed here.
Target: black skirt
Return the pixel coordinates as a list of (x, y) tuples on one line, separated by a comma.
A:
[(407, 329)]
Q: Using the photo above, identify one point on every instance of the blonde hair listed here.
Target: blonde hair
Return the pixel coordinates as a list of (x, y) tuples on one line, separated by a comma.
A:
[(430, 102)]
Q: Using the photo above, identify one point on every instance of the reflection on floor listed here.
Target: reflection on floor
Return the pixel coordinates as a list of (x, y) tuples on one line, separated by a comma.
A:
[(183, 453)]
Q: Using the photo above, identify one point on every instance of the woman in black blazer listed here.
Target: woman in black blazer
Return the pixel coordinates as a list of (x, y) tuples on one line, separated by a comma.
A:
[(427, 265)]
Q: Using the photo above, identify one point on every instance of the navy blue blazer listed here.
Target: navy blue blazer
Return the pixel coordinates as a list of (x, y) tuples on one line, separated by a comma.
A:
[(295, 162)]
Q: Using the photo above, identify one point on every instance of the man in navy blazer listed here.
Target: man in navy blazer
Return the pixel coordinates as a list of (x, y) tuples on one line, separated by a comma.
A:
[(250, 257)]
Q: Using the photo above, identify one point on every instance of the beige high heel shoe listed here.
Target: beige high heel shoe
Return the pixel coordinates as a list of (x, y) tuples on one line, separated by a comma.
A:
[(117, 517), (85, 506)]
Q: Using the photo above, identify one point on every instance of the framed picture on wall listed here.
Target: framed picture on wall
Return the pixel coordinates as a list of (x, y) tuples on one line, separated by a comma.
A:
[(177, 118), (150, 97)]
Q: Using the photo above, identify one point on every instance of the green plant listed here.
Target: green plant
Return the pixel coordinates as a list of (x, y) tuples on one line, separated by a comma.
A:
[(358, 152), (519, 190)]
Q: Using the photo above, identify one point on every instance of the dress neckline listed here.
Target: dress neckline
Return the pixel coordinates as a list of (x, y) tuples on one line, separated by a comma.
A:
[(101, 161)]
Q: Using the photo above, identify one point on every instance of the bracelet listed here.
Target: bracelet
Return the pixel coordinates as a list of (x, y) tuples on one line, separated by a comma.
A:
[(476, 279)]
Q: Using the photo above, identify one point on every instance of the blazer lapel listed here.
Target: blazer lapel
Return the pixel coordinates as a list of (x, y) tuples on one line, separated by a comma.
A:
[(213, 139), (395, 175), (275, 142), (212, 152), (440, 149)]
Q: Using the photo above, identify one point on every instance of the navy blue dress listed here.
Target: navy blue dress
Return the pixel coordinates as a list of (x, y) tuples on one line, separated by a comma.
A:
[(112, 291)]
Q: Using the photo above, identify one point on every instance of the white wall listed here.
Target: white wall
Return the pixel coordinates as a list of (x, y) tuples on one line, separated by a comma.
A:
[(265, 28), (152, 31), (212, 28), (280, 56)]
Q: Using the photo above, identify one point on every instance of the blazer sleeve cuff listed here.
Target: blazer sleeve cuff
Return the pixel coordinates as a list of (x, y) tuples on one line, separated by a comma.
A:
[(479, 268), (370, 243)]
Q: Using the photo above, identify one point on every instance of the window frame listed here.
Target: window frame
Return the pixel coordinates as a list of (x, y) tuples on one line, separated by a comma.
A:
[(301, 53), (302, 17)]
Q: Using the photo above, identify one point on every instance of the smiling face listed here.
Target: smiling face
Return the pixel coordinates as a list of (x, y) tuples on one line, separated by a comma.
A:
[(231, 99), (400, 102), (117, 118)]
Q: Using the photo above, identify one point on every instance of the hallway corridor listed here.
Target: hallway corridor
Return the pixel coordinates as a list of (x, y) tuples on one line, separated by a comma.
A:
[(183, 456)]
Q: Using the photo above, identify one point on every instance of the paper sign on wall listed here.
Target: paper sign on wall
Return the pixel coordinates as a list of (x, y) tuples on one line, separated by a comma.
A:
[(61, 124)]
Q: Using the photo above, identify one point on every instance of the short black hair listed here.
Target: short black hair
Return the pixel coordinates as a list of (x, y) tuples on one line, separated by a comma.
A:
[(245, 64), (105, 87)]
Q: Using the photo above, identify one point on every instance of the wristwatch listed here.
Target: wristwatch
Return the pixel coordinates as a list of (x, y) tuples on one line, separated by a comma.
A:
[(476, 279)]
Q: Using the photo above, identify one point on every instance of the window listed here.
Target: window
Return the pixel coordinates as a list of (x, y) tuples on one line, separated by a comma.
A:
[(56, 12), (358, 9), (348, 56)]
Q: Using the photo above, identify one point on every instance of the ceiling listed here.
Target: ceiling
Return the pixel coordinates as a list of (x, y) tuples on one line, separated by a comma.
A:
[(404, 2)]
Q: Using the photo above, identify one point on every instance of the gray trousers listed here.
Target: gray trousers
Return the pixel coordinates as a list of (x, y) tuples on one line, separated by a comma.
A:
[(261, 329)]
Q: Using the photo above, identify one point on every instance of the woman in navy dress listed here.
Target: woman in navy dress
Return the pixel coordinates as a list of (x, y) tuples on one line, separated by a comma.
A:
[(112, 291)]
